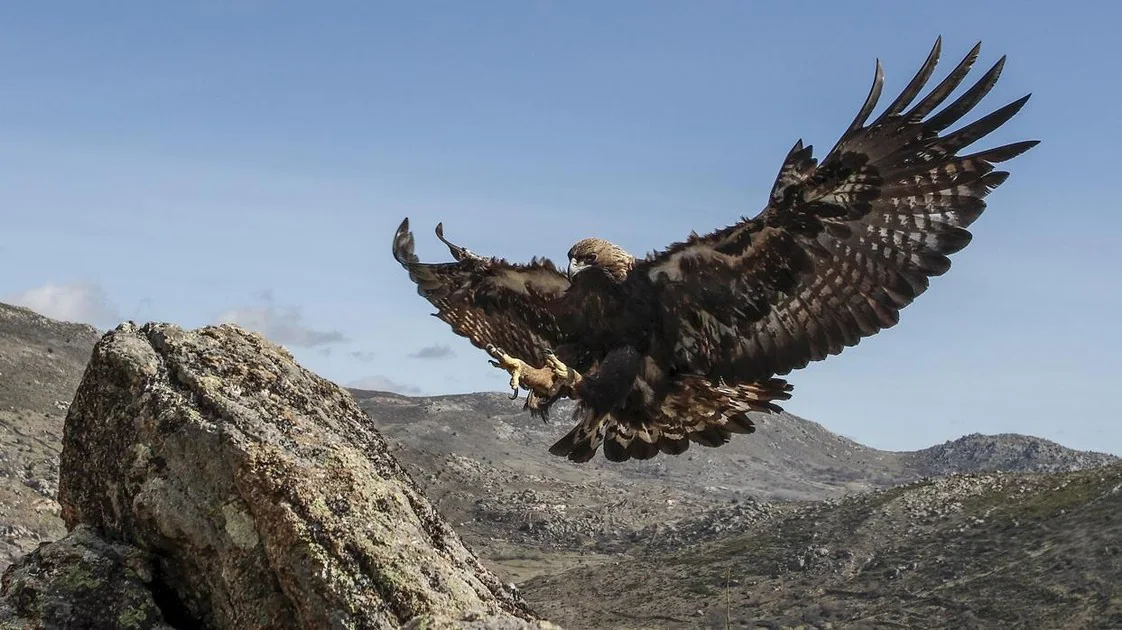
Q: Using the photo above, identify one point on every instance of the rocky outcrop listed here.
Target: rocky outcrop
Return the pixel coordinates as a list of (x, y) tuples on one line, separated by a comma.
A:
[(254, 494), (79, 581)]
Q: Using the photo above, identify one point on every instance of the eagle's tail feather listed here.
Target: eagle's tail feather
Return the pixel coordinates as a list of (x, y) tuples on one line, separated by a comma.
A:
[(694, 410), (709, 413), (580, 444), (695, 400)]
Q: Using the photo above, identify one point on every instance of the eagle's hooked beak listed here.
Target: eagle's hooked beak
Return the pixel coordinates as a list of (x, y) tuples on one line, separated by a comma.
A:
[(575, 267)]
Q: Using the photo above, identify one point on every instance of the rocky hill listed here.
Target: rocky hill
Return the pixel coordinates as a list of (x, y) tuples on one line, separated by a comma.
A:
[(1007, 452)]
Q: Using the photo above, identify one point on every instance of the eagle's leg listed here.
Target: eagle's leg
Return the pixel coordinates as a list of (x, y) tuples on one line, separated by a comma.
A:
[(522, 374), (562, 374)]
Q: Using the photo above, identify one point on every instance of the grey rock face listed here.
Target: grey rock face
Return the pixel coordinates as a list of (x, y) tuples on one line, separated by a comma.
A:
[(81, 581), (260, 490)]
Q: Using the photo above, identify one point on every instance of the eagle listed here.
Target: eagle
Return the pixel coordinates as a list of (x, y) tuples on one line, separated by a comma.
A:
[(682, 345)]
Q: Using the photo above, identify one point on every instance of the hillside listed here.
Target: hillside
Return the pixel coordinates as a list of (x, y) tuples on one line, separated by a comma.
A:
[(974, 551), (484, 464), (41, 363)]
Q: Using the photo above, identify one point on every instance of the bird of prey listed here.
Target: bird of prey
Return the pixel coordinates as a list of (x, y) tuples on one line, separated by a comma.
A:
[(681, 345)]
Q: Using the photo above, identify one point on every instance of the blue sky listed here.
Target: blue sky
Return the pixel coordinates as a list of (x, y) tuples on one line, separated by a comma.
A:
[(244, 160)]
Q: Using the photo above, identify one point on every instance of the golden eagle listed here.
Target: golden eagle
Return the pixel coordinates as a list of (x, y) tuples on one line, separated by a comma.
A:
[(679, 346)]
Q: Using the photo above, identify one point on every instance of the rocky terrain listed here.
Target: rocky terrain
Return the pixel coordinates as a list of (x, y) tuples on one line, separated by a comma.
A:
[(968, 551), (793, 525)]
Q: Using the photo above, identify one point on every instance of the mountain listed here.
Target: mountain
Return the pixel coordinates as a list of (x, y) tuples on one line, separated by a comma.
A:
[(1005, 451), (787, 458)]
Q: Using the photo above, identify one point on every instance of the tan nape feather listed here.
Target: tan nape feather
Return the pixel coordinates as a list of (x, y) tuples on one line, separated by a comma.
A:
[(597, 252)]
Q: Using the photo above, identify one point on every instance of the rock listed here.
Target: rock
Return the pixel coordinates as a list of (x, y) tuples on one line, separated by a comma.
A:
[(262, 492), (81, 581)]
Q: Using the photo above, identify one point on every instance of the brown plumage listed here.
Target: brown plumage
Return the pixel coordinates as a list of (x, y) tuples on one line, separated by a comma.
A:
[(680, 346)]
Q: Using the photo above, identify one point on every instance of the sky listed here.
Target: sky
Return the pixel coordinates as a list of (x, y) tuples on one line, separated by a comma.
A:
[(248, 161)]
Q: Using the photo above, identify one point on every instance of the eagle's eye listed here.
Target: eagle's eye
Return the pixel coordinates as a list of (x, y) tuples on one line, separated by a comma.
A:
[(590, 259)]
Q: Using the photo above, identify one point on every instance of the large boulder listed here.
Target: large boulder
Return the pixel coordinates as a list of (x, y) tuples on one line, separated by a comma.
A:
[(260, 492)]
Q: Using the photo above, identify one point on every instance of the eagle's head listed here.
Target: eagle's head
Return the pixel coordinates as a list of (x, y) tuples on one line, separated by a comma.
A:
[(596, 252)]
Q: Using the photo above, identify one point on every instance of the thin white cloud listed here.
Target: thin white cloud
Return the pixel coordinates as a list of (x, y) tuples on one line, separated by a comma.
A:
[(83, 302), (383, 384), (363, 355), (433, 352), (280, 324)]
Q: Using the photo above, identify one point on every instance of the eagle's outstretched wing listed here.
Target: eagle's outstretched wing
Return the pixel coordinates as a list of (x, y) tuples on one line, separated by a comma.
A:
[(489, 300), (843, 245)]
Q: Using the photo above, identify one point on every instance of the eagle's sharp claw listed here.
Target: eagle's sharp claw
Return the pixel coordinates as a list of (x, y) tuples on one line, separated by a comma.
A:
[(544, 382), (514, 366)]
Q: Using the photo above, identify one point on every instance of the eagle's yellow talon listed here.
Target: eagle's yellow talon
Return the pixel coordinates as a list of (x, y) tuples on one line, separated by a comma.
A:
[(512, 365), (515, 380)]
